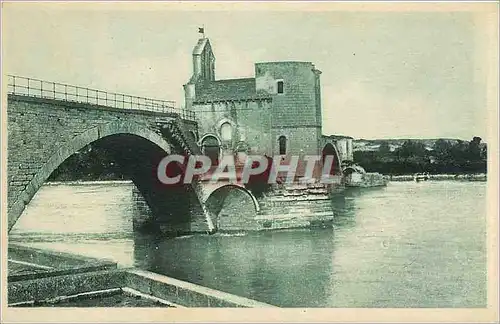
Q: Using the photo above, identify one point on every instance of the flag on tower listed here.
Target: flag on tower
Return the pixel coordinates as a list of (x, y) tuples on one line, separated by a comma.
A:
[(201, 30)]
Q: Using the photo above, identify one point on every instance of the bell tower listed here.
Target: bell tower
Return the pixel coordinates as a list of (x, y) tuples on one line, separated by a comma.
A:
[(203, 61), (203, 69)]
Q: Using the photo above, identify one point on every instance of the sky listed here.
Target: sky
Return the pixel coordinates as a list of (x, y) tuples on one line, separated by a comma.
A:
[(385, 74)]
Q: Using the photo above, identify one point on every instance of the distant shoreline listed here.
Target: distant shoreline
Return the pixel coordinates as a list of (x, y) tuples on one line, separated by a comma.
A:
[(482, 177), (442, 177)]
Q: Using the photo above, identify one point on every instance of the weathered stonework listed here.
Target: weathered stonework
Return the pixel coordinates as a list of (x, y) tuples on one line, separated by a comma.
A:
[(277, 112), (343, 144), (250, 121), (42, 133), (282, 100)]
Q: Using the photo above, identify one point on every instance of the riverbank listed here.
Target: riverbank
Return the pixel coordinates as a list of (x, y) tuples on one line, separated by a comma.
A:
[(44, 278), (442, 177)]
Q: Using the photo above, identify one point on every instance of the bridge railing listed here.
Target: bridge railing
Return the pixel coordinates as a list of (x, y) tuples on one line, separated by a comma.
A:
[(53, 90)]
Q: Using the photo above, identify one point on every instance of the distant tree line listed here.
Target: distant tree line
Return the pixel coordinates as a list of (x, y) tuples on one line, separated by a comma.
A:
[(95, 163), (90, 163), (445, 157)]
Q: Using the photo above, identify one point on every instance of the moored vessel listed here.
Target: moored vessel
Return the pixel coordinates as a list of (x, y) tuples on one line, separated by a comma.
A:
[(421, 177)]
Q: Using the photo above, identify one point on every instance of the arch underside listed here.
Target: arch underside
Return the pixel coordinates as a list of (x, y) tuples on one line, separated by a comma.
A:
[(217, 198), (330, 150), (136, 148)]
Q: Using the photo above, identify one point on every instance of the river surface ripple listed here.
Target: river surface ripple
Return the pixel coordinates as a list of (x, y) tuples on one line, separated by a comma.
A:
[(407, 245)]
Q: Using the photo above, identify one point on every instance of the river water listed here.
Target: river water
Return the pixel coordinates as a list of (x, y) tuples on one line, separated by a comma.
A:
[(407, 245)]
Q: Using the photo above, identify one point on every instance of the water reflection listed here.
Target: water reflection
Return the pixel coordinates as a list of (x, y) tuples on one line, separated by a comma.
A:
[(344, 208), (407, 245), (272, 264)]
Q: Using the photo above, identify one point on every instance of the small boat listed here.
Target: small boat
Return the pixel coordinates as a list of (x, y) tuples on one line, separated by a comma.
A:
[(421, 177)]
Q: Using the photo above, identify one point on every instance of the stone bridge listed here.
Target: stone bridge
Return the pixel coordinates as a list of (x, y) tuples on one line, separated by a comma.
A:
[(48, 122)]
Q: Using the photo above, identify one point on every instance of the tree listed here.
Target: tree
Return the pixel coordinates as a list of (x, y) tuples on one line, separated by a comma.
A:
[(458, 152), (411, 149), (442, 149), (384, 148), (484, 153), (474, 150)]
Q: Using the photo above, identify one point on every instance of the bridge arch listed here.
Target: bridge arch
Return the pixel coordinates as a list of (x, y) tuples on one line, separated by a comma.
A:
[(215, 200), (331, 149), (75, 144)]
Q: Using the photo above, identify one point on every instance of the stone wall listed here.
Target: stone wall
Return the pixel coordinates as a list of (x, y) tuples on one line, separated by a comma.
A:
[(299, 140), (278, 209), (238, 212), (296, 113), (296, 106), (250, 120)]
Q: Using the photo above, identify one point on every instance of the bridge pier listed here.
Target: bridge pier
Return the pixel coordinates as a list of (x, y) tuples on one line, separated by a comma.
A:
[(173, 212)]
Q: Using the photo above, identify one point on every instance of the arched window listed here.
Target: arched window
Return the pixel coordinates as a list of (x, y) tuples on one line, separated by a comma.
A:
[(211, 148), (282, 144), (226, 132)]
